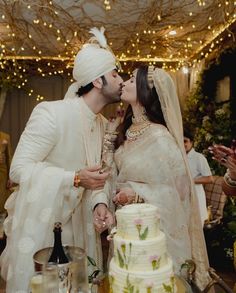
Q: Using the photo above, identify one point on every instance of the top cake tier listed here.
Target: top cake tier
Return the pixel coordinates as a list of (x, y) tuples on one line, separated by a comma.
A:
[(138, 221)]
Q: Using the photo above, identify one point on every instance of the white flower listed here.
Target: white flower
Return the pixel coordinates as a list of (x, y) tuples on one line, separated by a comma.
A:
[(208, 137), (220, 112), (205, 119)]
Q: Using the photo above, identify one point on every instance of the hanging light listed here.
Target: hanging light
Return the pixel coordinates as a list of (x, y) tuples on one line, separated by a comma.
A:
[(185, 69)]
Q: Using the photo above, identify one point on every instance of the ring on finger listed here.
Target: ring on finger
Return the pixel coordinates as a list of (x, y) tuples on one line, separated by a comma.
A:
[(225, 157)]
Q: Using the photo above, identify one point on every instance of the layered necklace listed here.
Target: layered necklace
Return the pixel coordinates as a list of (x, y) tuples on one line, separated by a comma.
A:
[(139, 125)]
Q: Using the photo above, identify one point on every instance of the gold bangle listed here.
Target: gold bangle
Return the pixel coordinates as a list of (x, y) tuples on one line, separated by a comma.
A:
[(77, 179), (138, 199), (228, 180)]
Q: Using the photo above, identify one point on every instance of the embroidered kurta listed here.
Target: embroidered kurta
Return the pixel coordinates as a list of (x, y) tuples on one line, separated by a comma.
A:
[(60, 138), (152, 166)]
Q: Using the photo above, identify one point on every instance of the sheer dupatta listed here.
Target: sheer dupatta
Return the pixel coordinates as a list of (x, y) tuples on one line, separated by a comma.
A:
[(172, 114)]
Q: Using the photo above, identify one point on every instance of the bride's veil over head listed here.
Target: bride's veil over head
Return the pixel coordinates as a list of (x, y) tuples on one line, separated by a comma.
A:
[(169, 101)]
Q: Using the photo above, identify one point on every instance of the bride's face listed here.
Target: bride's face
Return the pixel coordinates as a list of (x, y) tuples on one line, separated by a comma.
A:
[(129, 91)]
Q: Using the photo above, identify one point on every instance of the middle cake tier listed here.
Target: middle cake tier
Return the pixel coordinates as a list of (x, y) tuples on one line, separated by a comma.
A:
[(139, 255)]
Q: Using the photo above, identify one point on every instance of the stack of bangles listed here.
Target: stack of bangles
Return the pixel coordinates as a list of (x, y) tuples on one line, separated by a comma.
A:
[(138, 199), (228, 180)]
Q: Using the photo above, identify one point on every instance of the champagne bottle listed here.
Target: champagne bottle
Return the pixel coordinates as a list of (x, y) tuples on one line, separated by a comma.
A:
[(58, 255)]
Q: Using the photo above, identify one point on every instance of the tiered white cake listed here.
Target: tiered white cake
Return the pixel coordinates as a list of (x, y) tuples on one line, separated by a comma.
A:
[(140, 263)]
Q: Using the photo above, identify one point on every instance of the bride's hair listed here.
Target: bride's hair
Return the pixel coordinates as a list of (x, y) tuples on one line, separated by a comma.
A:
[(148, 98)]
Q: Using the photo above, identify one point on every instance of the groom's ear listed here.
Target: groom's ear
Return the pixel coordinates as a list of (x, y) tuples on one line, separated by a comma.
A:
[(97, 83)]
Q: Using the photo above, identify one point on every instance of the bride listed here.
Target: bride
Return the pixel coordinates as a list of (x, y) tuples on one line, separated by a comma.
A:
[(152, 165)]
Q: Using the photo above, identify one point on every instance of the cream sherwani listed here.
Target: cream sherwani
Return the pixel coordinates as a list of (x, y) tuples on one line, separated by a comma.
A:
[(60, 138)]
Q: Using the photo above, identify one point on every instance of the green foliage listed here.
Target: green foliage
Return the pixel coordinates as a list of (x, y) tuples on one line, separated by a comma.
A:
[(215, 123), (209, 121), (229, 227)]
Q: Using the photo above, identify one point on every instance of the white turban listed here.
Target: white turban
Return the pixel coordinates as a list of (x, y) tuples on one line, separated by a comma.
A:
[(91, 62)]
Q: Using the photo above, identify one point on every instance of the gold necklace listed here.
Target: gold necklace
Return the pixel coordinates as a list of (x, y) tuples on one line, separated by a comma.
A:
[(136, 130)]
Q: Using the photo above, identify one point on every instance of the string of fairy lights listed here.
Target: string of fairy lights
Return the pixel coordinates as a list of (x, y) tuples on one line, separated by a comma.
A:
[(46, 43)]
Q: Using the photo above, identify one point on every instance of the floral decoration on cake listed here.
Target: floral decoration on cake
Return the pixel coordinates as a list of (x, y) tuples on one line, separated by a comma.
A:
[(170, 288), (155, 261), (130, 288), (124, 255), (139, 225)]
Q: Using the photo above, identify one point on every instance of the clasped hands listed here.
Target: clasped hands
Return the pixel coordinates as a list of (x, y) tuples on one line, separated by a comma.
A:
[(225, 156), (124, 196), (102, 218)]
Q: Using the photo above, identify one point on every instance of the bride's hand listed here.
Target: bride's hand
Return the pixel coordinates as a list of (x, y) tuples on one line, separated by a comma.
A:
[(124, 196)]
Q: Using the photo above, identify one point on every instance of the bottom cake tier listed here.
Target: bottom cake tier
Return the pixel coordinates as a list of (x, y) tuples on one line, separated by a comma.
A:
[(159, 281)]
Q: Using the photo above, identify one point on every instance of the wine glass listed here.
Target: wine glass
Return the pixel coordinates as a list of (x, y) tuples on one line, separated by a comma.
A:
[(78, 273), (36, 283), (50, 278)]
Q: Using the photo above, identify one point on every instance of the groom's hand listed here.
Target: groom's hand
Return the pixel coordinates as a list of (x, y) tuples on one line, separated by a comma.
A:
[(102, 218), (90, 178)]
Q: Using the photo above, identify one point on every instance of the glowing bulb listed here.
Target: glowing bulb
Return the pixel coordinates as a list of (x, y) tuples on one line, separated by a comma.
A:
[(185, 69)]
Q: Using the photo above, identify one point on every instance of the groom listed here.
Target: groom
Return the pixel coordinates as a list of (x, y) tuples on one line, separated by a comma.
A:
[(56, 165)]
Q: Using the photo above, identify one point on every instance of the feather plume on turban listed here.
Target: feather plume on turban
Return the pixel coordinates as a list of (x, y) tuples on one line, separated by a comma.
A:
[(93, 60)]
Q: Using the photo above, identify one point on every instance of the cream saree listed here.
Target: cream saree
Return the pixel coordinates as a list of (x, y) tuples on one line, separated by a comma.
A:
[(153, 168)]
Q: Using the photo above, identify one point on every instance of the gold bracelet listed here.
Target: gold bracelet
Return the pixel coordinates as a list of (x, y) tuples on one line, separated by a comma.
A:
[(77, 179), (138, 199), (228, 180)]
